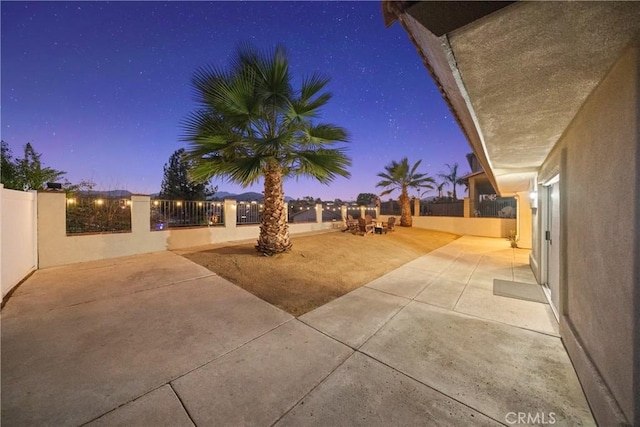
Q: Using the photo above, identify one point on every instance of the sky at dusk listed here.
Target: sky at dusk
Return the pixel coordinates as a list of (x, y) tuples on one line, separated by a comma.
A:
[(101, 88)]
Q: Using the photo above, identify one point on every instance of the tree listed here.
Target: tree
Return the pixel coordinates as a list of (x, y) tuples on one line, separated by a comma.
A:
[(452, 178), (252, 124), (366, 199), (176, 183), (8, 174), (26, 173), (401, 176)]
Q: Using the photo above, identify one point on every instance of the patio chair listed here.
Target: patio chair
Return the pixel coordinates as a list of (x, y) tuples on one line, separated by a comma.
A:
[(390, 225), (351, 224), (365, 228)]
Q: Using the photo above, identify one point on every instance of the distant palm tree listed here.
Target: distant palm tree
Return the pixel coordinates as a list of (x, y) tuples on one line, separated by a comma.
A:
[(439, 188), (401, 176), (452, 178), (252, 124)]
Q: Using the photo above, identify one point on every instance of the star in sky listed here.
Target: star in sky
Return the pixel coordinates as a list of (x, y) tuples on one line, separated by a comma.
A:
[(100, 88)]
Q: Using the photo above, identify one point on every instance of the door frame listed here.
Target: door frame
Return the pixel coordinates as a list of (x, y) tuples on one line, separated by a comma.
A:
[(546, 188)]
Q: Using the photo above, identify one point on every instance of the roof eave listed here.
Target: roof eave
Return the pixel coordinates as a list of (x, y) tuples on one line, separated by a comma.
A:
[(436, 62)]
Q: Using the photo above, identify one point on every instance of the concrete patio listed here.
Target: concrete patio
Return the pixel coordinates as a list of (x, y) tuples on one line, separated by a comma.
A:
[(158, 340)]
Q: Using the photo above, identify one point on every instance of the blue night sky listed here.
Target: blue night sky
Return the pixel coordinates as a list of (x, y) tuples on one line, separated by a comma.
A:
[(100, 88)]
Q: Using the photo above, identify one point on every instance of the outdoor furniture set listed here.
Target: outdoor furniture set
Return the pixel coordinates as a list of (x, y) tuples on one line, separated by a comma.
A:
[(367, 225)]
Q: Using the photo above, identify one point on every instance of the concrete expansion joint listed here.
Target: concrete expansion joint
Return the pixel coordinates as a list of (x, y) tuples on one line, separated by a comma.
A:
[(322, 381), (178, 282), (136, 291), (184, 407), (475, 267), (430, 387), (170, 382)]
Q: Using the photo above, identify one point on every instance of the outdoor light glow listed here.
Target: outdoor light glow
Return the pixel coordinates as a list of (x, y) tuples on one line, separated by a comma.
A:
[(199, 203), (99, 201), (178, 203), (71, 201), (128, 202), (155, 203)]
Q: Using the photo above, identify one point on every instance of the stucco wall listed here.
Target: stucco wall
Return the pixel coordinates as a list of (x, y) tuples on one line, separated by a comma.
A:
[(18, 251), (485, 227), (56, 248), (597, 159)]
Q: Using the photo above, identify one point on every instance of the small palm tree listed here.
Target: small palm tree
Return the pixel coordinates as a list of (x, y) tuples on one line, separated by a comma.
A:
[(439, 187), (252, 124), (401, 176), (452, 178)]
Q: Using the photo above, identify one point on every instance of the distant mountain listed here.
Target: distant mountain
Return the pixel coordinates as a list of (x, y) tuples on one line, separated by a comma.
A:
[(113, 194)]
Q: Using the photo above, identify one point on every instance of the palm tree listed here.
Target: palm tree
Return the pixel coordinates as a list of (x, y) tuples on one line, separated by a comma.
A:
[(401, 176), (252, 124), (439, 188), (452, 178)]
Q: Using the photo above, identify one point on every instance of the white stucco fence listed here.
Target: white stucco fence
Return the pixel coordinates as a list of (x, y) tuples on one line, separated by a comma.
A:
[(18, 236), (33, 233), (58, 248), (484, 227)]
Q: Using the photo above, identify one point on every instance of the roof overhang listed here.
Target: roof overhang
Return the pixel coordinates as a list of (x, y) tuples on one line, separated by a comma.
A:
[(515, 76)]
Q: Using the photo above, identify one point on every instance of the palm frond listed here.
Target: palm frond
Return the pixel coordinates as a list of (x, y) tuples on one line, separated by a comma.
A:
[(322, 164)]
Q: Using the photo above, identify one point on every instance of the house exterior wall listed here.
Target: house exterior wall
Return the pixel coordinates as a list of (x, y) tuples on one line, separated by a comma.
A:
[(18, 244), (524, 220), (597, 159)]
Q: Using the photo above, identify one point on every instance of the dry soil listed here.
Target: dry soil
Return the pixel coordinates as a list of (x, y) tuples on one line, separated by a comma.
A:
[(320, 267)]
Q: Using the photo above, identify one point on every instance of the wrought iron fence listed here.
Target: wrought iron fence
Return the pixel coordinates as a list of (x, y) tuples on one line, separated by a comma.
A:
[(331, 212), (249, 212), (302, 214), (177, 213), (442, 208), (94, 214), (492, 206), (393, 207)]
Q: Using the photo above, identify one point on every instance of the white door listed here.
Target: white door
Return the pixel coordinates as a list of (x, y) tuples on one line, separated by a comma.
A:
[(552, 236)]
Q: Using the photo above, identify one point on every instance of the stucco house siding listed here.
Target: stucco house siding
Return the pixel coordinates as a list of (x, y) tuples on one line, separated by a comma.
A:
[(597, 159)]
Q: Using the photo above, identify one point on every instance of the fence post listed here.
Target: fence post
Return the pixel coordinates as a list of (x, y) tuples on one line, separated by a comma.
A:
[(52, 227), (230, 218), (319, 213), (343, 212), (466, 210), (34, 212), (140, 214), (416, 206), (363, 211)]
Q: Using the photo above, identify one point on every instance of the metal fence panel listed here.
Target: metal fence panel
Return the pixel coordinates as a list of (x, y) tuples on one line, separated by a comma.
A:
[(392, 207), (249, 212), (449, 208), (491, 206), (92, 214), (190, 213)]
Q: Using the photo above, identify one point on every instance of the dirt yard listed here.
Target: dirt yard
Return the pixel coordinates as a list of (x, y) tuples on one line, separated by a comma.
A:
[(320, 267)]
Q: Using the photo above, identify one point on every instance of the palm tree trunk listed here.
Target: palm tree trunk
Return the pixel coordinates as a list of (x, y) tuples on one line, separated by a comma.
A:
[(405, 215), (274, 231)]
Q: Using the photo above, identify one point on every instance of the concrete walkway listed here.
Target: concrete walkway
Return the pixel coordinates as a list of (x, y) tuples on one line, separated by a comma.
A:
[(156, 340)]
